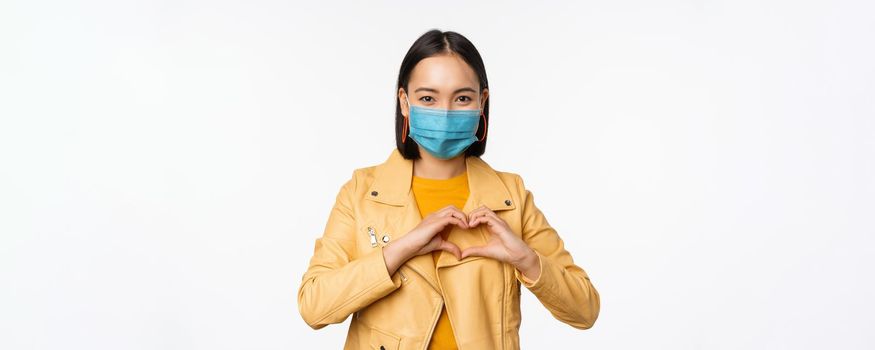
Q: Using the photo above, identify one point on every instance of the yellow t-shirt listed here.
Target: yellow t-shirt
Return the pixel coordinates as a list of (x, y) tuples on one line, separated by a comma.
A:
[(432, 195)]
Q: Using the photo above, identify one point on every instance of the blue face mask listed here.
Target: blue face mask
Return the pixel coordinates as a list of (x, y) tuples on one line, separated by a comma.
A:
[(443, 132)]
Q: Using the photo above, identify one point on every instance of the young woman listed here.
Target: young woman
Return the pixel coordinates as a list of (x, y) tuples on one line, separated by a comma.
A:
[(428, 249)]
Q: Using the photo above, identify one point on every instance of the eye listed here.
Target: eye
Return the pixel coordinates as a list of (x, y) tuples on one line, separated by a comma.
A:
[(425, 99), (465, 98)]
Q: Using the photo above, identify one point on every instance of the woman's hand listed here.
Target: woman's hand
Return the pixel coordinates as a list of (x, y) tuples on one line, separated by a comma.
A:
[(503, 244), (425, 238)]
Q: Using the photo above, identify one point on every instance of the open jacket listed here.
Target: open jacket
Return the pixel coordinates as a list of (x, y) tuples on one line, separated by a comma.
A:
[(347, 274)]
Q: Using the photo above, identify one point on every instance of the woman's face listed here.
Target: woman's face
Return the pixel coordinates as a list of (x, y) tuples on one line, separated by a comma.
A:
[(444, 81)]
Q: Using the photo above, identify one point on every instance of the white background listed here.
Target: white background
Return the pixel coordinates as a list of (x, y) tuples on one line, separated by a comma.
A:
[(166, 166)]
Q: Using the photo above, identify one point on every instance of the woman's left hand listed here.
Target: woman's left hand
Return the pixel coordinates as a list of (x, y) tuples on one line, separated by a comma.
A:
[(503, 244)]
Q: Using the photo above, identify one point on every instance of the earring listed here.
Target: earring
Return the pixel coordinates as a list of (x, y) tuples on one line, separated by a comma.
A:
[(404, 131), (485, 124)]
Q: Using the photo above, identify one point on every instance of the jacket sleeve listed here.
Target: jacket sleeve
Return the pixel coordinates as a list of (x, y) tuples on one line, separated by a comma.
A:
[(337, 283), (562, 287)]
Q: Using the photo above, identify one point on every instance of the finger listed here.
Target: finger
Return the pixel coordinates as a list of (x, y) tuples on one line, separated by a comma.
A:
[(483, 251), (452, 248), (452, 210), (496, 225), (482, 211), (443, 212), (491, 213), (446, 220), (475, 215), (477, 211), (474, 221), (462, 218), (471, 219), (481, 219)]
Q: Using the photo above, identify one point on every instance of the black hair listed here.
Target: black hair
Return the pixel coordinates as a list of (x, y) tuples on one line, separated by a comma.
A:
[(433, 43)]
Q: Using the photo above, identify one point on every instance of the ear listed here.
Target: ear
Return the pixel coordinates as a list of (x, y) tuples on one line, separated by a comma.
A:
[(483, 97), (402, 101)]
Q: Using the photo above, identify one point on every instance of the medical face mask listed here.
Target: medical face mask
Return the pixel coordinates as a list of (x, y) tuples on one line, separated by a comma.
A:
[(443, 132)]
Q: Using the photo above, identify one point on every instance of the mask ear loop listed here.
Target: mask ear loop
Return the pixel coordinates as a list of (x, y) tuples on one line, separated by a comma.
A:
[(484, 127)]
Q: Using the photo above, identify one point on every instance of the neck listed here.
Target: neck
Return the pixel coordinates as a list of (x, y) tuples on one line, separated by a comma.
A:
[(435, 168)]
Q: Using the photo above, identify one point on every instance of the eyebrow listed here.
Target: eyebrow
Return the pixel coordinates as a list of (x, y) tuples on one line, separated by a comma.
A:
[(454, 92)]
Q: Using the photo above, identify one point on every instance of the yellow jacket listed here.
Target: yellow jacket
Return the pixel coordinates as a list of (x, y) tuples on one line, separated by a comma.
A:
[(347, 274)]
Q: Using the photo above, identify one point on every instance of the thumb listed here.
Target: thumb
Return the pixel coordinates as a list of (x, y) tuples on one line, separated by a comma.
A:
[(452, 248), (476, 251)]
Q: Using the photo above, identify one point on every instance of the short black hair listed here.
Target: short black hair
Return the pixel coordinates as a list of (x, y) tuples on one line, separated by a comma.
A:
[(433, 43)]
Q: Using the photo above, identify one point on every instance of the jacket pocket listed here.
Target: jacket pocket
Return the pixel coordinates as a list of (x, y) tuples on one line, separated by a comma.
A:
[(383, 340)]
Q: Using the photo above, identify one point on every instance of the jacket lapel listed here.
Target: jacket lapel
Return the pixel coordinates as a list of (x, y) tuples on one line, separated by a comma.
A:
[(391, 186)]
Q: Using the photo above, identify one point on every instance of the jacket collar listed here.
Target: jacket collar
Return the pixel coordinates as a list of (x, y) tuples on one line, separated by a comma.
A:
[(393, 178)]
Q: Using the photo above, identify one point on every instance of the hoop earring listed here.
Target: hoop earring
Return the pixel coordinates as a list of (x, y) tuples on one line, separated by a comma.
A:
[(485, 124), (404, 131)]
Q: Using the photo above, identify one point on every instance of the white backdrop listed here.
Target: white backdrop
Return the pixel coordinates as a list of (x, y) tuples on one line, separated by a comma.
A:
[(166, 166)]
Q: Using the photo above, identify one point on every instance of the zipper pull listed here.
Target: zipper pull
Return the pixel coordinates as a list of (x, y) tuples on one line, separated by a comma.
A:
[(373, 235)]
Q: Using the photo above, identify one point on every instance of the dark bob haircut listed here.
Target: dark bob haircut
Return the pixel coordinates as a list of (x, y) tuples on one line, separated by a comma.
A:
[(434, 43)]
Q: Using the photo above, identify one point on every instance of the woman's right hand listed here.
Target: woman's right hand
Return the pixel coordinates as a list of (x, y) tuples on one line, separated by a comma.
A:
[(425, 238)]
